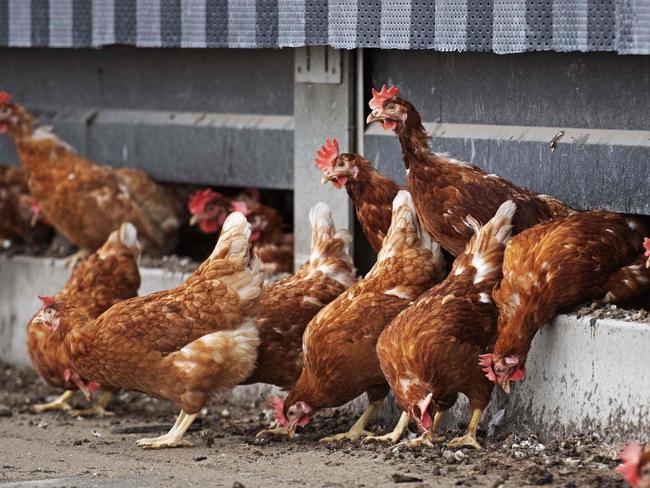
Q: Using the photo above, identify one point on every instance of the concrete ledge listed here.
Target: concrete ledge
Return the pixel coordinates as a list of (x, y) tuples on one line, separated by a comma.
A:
[(583, 374)]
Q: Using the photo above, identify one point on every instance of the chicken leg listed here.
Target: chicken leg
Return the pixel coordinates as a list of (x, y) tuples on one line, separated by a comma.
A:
[(427, 437), (393, 436), (61, 403), (469, 439), (98, 409), (358, 429), (173, 437)]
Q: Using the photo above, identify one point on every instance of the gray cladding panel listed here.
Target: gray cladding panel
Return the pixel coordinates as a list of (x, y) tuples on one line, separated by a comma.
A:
[(547, 89), (585, 176), (212, 80)]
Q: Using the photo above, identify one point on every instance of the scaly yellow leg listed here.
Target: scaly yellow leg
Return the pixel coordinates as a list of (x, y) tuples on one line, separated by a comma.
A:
[(98, 409), (173, 438), (61, 403), (469, 439), (272, 431), (393, 436), (358, 429)]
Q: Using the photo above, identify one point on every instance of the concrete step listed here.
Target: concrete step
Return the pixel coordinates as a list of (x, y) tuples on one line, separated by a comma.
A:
[(584, 374)]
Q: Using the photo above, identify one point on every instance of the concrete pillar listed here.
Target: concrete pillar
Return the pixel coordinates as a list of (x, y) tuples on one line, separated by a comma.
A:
[(322, 110)]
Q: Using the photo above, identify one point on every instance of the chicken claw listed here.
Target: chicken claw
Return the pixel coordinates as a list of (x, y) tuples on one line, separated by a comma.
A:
[(469, 439), (272, 432), (173, 438), (357, 431), (98, 409), (393, 436), (61, 403), (426, 439)]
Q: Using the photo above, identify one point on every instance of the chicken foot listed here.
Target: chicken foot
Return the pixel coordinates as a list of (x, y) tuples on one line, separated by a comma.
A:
[(98, 409), (393, 436), (469, 439), (61, 403), (173, 437), (272, 431), (358, 429), (427, 438)]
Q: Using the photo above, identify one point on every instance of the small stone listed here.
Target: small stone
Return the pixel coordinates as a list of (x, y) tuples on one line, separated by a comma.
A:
[(459, 456), (237, 484), (200, 458), (449, 456), (572, 463), (405, 478), (545, 479), (42, 425), (540, 447), (77, 442), (96, 434), (436, 471), (5, 411), (225, 413), (519, 455)]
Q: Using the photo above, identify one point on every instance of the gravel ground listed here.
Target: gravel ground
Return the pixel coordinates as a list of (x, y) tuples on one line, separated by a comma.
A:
[(101, 452), (611, 311)]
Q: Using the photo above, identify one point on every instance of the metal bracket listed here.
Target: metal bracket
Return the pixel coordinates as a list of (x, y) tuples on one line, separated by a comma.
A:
[(318, 64)]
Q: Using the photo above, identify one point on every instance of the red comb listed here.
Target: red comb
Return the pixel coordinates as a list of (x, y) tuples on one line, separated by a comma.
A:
[(47, 301), (631, 456), (4, 97), (239, 206), (278, 411), (485, 361), (67, 374), (379, 97), (197, 201), (646, 244), (327, 154)]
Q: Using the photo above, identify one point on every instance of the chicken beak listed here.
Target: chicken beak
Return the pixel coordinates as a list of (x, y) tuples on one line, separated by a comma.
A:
[(647, 263), (374, 116), (506, 386), (291, 430), (196, 218), (325, 178)]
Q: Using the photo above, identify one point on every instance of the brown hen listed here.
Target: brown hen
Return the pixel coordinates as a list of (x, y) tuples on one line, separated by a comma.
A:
[(18, 219), (288, 305), (445, 190), (371, 192), (86, 201), (339, 343), (557, 264), (103, 279), (635, 466), (429, 352), (180, 344)]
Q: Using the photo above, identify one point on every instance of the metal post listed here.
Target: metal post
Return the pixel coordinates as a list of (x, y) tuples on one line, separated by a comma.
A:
[(323, 109)]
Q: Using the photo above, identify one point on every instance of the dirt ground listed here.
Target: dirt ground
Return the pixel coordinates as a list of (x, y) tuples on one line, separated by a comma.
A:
[(54, 449)]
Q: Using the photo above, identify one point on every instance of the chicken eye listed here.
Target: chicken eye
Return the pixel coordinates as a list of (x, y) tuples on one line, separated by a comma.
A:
[(390, 106)]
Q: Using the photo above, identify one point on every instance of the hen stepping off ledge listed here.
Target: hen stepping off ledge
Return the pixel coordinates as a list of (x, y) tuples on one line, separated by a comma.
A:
[(180, 344)]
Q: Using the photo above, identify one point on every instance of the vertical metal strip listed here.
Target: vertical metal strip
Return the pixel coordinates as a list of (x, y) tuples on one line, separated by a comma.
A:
[(241, 23), (20, 23), (369, 24), (423, 25), (170, 23), (316, 22), (451, 25), (266, 23), (342, 23), (148, 25), (193, 26), (216, 23), (601, 24), (395, 24), (125, 18), (81, 23), (61, 23), (4, 24), (539, 18), (291, 23), (509, 27), (40, 23), (570, 25), (103, 18), (479, 25)]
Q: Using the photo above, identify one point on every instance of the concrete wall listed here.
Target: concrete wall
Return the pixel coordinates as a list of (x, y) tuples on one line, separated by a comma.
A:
[(583, 374)]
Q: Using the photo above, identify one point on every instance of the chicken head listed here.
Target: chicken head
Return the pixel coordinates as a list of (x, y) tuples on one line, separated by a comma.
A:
[(209, 210), (502, 370)]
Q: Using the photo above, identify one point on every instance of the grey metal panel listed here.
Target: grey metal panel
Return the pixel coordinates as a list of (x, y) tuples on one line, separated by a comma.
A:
[(213, 80), (583, 175), (549, 89)]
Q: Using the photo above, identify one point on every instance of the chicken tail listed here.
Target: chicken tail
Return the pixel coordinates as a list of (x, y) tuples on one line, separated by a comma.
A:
[(489, 242), (329, 247), (227, 357), (232, 261), (125, 239), (406, 231)]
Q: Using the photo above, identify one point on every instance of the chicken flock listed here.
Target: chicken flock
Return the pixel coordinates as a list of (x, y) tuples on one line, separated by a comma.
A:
[(410, 326)]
